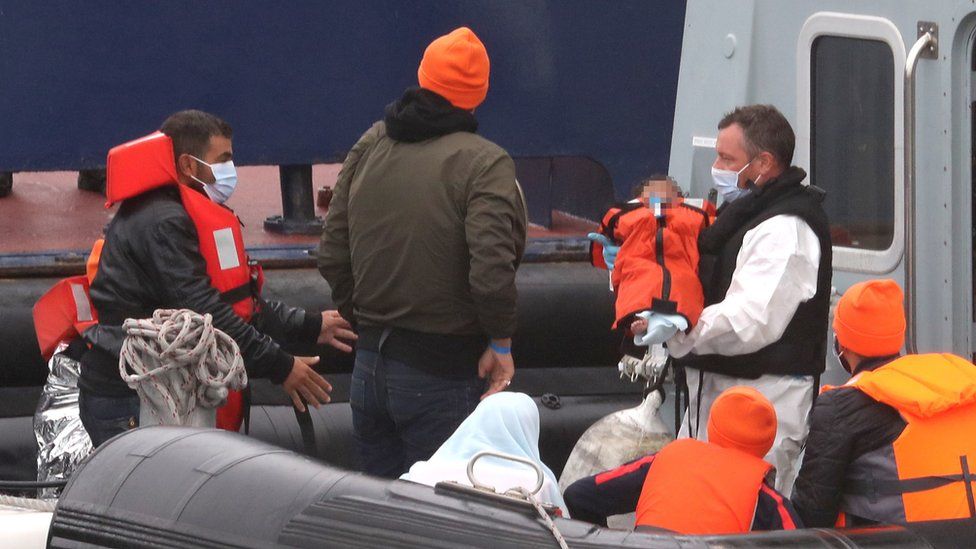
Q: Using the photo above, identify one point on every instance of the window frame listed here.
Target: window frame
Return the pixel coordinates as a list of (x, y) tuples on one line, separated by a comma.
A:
[(844, 25)]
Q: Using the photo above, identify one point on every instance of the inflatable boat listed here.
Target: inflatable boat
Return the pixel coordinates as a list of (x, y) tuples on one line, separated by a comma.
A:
[(185, 487)]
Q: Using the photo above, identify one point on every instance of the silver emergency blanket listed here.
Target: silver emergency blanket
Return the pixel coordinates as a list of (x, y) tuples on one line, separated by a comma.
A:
[(616, 439), (62, 441)]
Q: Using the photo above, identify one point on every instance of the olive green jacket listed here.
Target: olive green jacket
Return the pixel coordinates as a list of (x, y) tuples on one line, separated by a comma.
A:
[(426, 236)]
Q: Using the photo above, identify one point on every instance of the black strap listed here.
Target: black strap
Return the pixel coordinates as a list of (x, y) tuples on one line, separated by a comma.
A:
[(701, 382), (680, 389), (246, 404), (19, 485), (233, 295), (307, 428), (897, 487), (816, 390), (968, 479)]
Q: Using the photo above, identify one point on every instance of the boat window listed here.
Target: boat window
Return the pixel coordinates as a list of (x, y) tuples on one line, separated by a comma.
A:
[(852, 149)]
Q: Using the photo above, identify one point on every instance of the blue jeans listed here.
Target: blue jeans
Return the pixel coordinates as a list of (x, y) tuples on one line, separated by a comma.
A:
[(105, 417), (401, 414)]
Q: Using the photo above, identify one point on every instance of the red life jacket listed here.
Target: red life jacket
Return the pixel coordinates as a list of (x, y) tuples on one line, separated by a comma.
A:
[(62, 314), (657, 265), (697, 488), (929, 471), (140, 166)]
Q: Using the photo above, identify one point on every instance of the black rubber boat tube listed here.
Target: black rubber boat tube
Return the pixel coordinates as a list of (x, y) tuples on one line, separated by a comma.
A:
[(186, 487)]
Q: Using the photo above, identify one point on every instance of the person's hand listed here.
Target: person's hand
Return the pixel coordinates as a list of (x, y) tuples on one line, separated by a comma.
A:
[(498, 368), (304, 382), (658, 328), (334, 328), (610, 249), (639, 326)]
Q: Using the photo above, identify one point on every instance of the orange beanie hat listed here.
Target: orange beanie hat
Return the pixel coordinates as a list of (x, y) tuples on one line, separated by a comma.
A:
[(743, 419), (870, 318), (456, 67)]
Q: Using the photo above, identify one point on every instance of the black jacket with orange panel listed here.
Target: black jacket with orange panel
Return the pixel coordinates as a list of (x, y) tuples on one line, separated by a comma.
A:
[(690, 486), (893, 445)]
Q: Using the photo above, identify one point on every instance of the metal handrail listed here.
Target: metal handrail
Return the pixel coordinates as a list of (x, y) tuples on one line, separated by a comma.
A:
[(911, 306), (535, 466)]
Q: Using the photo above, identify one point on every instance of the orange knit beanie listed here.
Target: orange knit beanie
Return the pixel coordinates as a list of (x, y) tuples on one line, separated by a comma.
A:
[(456, 67), (870, 318), (742, 419)]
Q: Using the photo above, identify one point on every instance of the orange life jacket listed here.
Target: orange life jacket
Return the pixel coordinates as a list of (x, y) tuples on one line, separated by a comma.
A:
[(696, 488), (928, 471), (62, 314), (657, 265), (137, 167)]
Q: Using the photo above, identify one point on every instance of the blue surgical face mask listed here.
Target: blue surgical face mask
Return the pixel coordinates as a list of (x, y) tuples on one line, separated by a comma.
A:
[(225, 180), (727, 183)]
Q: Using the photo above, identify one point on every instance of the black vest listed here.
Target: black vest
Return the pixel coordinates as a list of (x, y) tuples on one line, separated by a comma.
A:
[(802, 349)]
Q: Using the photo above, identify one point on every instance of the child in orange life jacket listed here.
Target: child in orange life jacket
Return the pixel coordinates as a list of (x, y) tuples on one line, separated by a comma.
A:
[(655, 272), (722, 486)]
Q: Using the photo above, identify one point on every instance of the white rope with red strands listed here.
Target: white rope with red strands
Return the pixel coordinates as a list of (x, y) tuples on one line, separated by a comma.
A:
[(178, 362)]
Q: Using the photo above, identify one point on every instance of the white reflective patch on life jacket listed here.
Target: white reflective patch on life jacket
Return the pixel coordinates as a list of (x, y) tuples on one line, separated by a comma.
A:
[(226, 249), (82, 306), (696, 202)]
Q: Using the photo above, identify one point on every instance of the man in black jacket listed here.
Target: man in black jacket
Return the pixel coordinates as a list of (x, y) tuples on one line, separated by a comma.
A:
[(151, 259), (846, 424)]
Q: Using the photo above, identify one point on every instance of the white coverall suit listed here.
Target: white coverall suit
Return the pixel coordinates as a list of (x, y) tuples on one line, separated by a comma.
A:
[(776, 270)]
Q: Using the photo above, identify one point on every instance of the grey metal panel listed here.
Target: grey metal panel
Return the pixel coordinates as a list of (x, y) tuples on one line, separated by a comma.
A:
[(710, 84)]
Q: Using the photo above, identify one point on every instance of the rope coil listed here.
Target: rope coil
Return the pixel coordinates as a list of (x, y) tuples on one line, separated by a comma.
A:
[(179, 362)]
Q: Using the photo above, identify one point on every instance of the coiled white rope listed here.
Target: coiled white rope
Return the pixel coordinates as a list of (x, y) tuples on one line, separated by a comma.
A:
[(179, 362)]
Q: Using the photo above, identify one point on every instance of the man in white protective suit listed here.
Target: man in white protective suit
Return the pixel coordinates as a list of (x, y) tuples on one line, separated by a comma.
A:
[(766, 271)]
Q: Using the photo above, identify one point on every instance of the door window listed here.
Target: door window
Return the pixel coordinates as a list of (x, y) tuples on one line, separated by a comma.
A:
[(852, 120)]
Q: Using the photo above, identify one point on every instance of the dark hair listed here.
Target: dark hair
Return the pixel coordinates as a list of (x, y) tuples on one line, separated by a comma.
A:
[(191, 131), (636, 190), (765, 129)]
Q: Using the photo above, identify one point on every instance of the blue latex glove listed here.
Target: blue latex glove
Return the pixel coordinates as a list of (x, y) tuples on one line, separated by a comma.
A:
[(660, 328), (609, 248)]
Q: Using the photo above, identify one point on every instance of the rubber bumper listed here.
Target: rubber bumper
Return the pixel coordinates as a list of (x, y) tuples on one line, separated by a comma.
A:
[(185, 487)]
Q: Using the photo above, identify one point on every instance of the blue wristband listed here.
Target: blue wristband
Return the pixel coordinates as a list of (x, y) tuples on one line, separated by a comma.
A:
[(499, 349)]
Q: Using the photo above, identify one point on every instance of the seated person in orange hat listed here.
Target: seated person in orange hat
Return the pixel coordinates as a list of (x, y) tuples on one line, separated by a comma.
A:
[(895, 443), (655, 272), (722, 486)]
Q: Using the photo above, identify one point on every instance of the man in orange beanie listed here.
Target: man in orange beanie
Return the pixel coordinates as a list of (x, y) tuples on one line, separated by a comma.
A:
[(863, 465), (424, 234), (722, 486)]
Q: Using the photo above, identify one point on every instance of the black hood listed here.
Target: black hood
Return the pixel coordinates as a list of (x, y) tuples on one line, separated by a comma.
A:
[(421, 114)]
